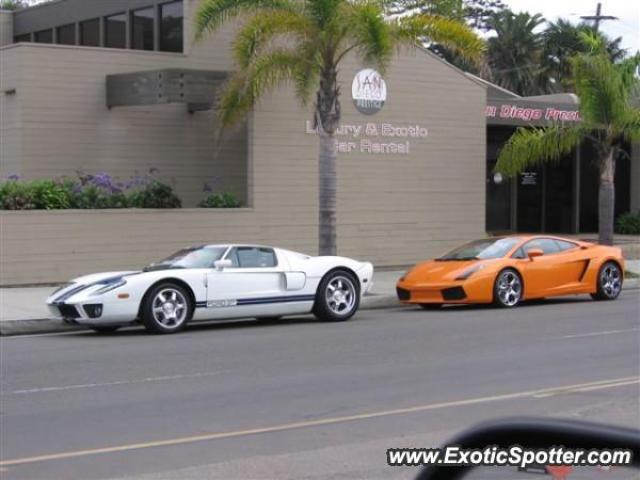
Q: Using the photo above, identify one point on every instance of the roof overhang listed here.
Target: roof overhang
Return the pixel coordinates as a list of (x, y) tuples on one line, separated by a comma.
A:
[(195, 88)]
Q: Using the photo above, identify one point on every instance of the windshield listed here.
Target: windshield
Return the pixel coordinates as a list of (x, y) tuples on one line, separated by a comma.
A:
[(197, 257), (482, 249)]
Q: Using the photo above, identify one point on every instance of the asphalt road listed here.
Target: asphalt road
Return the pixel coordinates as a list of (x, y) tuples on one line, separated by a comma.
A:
[(300, 399)]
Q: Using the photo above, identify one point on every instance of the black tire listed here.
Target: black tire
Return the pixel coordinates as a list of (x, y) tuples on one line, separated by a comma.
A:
[(431, 306), (161, 319), (103, 329), (608, 282), (507, 288), (328, 309)]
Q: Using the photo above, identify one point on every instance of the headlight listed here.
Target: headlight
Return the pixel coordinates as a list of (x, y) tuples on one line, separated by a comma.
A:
[(470, 271), (111, 285)]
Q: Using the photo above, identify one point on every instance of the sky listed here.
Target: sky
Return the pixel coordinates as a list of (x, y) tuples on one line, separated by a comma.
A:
[(628, 12)]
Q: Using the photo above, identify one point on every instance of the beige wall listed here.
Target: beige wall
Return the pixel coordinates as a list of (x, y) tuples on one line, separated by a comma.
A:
[(392, 209), (6, 27), (58, 122)]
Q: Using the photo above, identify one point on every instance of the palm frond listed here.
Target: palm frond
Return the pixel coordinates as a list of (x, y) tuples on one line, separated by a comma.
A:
[(631, 129), (307, 73), (369, 32), (603, 96), (323, 12), (529, 147), (452, 34), (213, 13), (262, 29), (268, 71), (628, 71)]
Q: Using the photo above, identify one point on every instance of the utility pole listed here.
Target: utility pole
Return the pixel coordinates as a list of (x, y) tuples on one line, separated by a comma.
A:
[(597, 18)]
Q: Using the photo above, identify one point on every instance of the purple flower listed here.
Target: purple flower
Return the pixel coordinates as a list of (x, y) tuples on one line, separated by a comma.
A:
[(14, 177), (209, 187)]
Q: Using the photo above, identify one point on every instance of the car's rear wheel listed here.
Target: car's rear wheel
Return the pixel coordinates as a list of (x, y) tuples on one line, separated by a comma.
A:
[(507, 289), (166, 309), (105, 328), (431, 306), (609, 282), (337, 297)]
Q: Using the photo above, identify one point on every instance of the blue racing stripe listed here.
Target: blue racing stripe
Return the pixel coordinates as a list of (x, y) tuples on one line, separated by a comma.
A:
[(288, 299)]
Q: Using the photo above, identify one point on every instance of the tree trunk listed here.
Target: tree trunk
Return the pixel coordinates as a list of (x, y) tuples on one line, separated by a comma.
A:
[(327, 194), (606, 199), (327, 121)]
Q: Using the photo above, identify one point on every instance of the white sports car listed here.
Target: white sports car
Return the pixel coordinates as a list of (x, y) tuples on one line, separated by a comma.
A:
[(215, 282)]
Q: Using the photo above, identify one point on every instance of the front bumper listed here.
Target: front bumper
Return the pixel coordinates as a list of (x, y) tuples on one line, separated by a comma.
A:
[(94, 313), (452, 292)]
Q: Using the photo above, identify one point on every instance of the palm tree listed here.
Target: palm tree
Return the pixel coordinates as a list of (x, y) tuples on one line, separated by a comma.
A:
[(608, 121), (302, 43), (562, 41), (514, 53)]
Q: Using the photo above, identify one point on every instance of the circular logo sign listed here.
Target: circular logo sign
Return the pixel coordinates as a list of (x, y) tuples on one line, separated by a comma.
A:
[(369, 91)]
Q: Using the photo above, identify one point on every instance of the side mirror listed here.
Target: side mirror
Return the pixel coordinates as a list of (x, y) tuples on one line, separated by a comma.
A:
[(222, 264), (534, 252)]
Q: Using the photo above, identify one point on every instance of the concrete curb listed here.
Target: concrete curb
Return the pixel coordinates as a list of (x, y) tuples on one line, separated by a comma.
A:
[(48, 325)]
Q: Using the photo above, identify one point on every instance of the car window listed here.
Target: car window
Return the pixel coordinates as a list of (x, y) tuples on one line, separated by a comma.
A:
[(564, 245), (252, 257), (484, 249), (519, 253), (195, 257), (547, 245)]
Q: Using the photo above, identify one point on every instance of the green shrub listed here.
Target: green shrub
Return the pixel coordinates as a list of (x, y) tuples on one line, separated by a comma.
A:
[(155, 194), (87, 191), (93, 197), (628, 223), (16, 195), (51, 195), (220, 200)]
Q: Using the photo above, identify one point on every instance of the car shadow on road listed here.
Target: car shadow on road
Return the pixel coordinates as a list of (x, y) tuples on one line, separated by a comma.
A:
[(207, 325), (451, 308)]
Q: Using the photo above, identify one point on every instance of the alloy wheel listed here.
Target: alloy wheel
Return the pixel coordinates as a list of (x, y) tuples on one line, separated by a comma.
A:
[(509, 288), (169, 308), (341, 295), (611, 280)]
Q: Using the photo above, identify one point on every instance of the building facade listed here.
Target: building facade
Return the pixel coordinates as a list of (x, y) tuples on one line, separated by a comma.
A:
[(121, 87)]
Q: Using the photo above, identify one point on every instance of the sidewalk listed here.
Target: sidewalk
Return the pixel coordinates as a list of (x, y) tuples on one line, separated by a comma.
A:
[(22, 310)]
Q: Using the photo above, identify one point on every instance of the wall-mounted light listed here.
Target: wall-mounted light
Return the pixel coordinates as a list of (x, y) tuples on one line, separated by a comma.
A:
[(11, 91)]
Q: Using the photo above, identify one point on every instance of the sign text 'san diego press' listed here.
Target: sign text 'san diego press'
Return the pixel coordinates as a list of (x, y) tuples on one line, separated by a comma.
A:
[(375, 138)]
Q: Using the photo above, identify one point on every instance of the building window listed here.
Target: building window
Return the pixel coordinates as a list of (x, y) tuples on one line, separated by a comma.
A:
[(66, 35), (115, 31), (44, 36), (90, 33), (25, 37), (142, 29), (171, 28)]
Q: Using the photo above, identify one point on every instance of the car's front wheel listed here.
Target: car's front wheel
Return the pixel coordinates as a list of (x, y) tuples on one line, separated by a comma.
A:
[(166, 309), (507, 290), (609, 283), (338, 297)]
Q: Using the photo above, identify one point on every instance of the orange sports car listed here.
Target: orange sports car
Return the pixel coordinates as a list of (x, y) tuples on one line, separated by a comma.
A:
[(507, 270)]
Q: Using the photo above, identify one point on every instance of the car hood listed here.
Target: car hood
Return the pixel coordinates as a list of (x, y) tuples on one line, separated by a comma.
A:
[(100, 277), (434, 270)]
